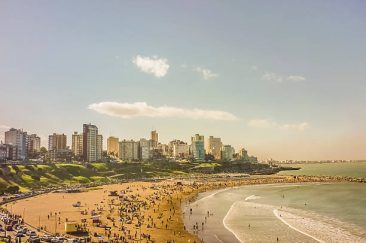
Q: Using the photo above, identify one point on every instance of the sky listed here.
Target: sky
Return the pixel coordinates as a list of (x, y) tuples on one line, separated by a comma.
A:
[(283, 79)]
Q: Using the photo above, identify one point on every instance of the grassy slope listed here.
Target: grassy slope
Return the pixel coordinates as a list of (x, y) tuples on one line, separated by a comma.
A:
[(36, 176)]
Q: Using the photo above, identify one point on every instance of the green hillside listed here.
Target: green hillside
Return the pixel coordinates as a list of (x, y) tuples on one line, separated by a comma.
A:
[(39, 176)]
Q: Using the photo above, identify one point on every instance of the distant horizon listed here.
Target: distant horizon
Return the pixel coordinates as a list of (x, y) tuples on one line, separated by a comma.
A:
[(283, 79)]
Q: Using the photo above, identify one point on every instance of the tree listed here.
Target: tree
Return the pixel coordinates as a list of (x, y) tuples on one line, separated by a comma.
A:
[(209, 157), (12, 189), (43, 151)]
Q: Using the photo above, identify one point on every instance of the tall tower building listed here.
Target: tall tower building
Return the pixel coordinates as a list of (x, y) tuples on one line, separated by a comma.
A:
[(34, 143), (154, 138), (77, 144), (128, 150), (90, 143), (243, 154), (198, 147), (213, 146), (18, 138), (145, 149), (227, 153), (57, 141), (113, 146), (99, 146)]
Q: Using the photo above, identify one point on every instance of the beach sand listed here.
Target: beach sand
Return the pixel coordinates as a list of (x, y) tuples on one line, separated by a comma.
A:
[(165, 213), (156, 205)]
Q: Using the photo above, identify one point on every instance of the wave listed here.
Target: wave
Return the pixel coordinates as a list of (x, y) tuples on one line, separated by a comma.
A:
[(279, 216), (212, 194), (252, 197), (320, 229), (226, 225), (308, 224)]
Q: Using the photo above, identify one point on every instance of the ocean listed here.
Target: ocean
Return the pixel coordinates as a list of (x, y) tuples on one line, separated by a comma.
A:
[(307, 212), (352, 169)]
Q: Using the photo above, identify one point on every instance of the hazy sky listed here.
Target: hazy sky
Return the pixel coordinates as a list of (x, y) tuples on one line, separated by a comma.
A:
[(284, 79)]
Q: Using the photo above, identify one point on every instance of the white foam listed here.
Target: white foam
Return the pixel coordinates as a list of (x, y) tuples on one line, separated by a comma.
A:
[(212, 194), (315, 226), (217, 238), (227, 227), (275, 212), (321, 230), (252, 197)]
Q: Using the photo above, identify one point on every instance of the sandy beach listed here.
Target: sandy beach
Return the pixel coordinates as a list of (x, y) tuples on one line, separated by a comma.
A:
[(150, 211)]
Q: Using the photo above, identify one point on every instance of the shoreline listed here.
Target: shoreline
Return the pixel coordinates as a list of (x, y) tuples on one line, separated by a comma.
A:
[(171, 201), (302, 224)]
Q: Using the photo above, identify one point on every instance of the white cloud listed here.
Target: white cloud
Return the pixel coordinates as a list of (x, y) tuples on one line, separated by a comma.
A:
[(142, 109), (4, 127), (265, 123), (295, 78), (254, 68), (153, 65), (207, 74), (299, 126), (261, 123), (270, 76)]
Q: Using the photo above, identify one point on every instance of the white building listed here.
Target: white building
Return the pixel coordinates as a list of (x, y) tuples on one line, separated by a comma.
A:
[(18, 138), (227, 153), (128, 150), (145, 149), (180, 149), (77, 144), (213, 146)]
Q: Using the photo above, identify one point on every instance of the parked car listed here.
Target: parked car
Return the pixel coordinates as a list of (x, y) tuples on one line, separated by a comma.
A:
[(31, 233), (19, 234), (34, 240)]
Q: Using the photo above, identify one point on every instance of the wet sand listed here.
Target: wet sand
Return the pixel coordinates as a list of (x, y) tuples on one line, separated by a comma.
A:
[(235, 216)]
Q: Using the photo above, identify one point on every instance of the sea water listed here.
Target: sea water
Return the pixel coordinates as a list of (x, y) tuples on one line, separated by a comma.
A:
[(307, 212), (351, 169)]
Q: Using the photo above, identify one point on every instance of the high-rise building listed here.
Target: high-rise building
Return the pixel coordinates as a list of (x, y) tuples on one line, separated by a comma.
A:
[(99, 147), (57, 148), (213, 146), (145, 149), (243, 154), (180, 149), (34, 143), (77, 144), (154, 139), (8, 152), (128, 150), (164, 149), (227, 153), (198, 147), (90, 143), (113, 146), (18, 138), (57, 141)]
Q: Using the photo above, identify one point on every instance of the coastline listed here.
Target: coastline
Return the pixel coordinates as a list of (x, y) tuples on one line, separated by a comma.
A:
[(169, 197), (310, 226)]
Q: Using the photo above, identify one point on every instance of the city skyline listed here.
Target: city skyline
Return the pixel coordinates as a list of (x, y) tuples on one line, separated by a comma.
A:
[(281, 89)]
